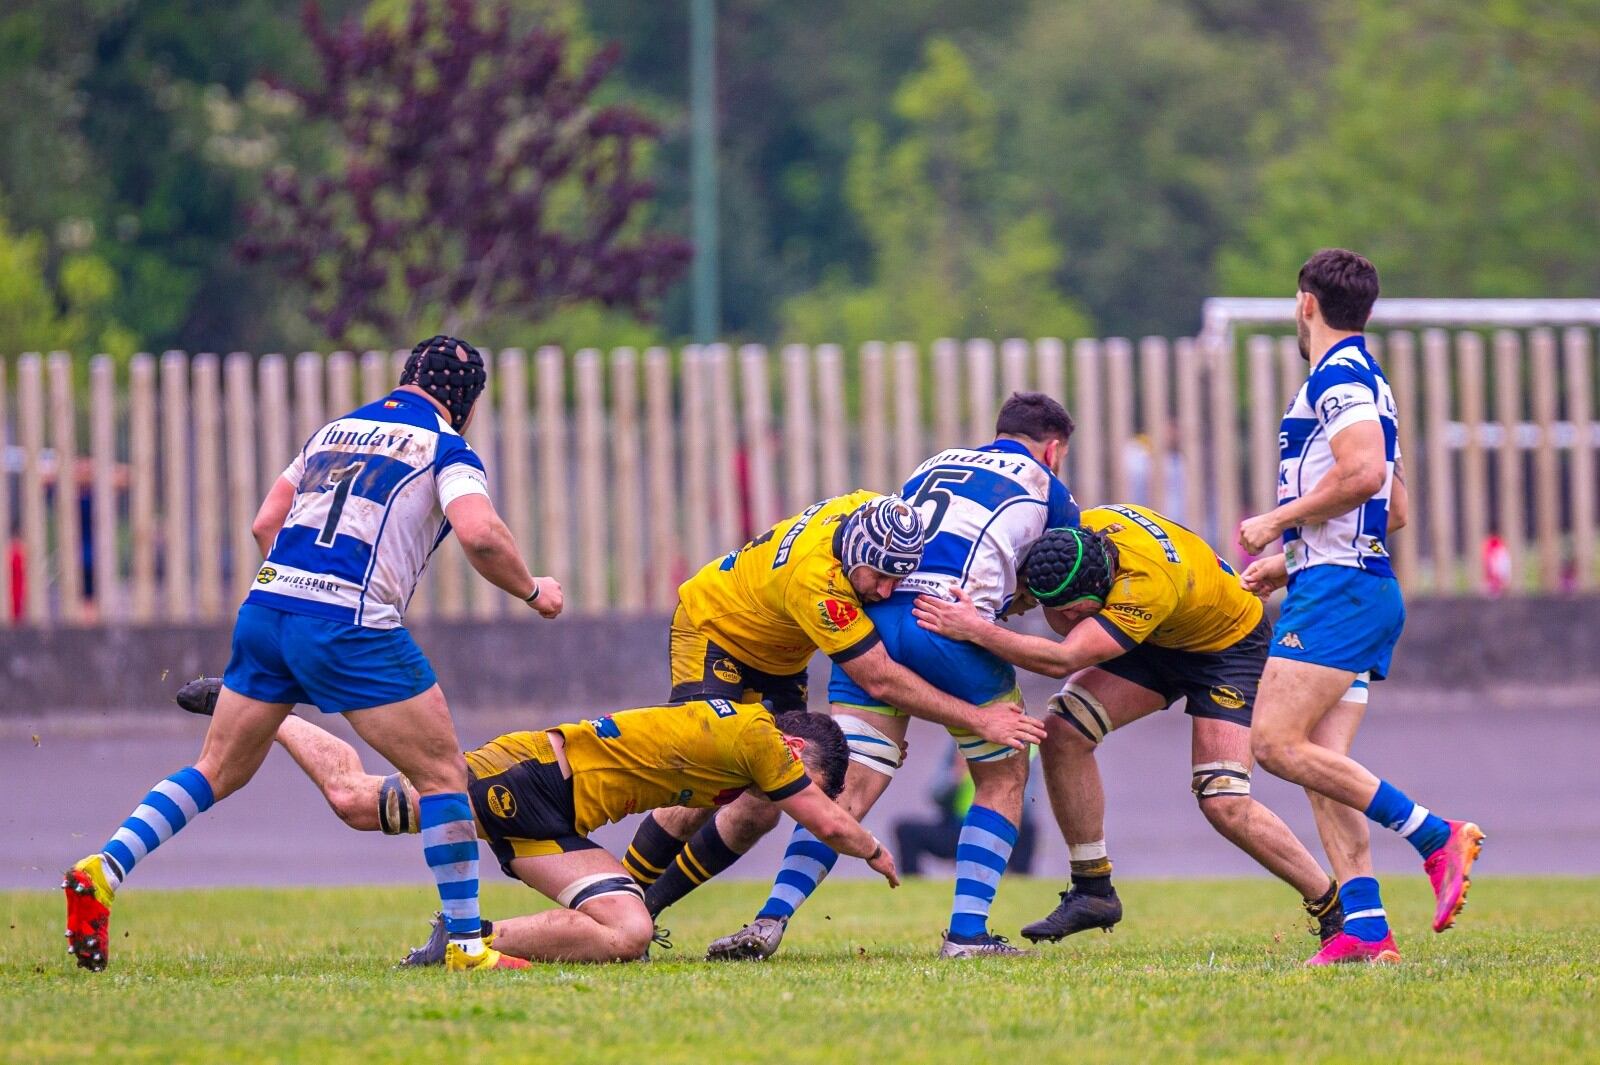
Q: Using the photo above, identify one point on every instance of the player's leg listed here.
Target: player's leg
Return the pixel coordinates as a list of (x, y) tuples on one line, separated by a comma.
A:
[(983, 850), (875, 740), (1094, 703), (603, 916), (1221, 754), (363, 801), (721, 841), (1364, 932), (236, 742), (418, 736), (1337, 623)]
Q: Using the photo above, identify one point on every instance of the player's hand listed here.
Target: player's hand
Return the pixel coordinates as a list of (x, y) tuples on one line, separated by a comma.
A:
[(1257, 532), (1010, 726), (551, 598), (1265, 575), (884, 865), (959, 620)]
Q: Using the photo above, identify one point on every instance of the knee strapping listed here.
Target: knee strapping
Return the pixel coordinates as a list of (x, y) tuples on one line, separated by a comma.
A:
[(1358, 689), (870, 747), (1212, 779), (1078, 706), (588, 888), (394, 807)]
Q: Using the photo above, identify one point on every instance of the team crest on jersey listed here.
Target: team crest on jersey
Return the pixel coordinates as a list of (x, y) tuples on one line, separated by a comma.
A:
[(605, 728), (502, 803), (267, 575), (1375, 546), (837, 614), (1226, 695), (1292, 640), (727, 671)]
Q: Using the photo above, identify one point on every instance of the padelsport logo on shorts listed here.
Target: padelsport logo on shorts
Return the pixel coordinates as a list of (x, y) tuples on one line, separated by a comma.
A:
[(726, 670), (1227, 695), (267, 575), (837, 614), (502, 803)]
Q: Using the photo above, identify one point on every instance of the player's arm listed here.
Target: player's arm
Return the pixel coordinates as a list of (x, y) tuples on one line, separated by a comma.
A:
[(1355, 436), (493, 552), (888, 681), (1399, 500), (1084, 645), (274, 510), (826, 820)]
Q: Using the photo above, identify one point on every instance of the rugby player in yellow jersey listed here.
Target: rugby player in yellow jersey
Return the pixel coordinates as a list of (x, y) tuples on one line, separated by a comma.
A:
[(536, 796), (745, 627), (1163, 618)]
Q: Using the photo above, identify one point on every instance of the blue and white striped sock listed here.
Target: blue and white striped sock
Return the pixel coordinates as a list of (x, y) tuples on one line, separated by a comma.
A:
[(169, 806), (450, 843), (981, 856), (807, 861)]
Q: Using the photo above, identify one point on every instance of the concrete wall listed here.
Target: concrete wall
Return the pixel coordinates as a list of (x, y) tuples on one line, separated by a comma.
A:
[(609, 663)]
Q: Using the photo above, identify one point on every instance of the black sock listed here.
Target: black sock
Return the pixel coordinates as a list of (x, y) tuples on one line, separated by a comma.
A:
[(701, 859), (651, 852), (1092, 877)]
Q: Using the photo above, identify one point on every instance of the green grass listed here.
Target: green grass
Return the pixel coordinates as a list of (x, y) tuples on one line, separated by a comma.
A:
[(1206, 971)]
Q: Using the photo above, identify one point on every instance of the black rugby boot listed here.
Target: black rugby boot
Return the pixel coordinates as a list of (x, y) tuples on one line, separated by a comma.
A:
[(199, 696), (1078, 912)]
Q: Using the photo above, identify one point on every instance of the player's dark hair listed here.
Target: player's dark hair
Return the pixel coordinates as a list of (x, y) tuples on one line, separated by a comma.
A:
[(1345, 284), (827, 754), (1035, 416)]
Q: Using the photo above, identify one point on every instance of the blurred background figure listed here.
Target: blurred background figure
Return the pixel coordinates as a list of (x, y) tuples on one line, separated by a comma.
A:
[(916, 839)]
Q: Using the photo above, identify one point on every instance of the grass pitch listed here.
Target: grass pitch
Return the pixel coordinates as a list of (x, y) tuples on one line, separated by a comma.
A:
[(1206, 971)]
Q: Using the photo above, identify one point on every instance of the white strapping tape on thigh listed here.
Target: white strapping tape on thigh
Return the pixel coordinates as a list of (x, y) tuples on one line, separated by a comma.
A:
[(1358, 689), (1082, 711), (625, 886), (868, 746)]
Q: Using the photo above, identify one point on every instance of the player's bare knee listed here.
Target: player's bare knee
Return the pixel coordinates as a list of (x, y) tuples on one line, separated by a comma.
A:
[(616, 904), (632, 934), (1273, 751)]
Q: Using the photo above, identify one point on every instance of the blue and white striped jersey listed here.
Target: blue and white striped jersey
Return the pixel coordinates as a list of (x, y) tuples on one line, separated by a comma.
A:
[(1345, 387), (368, 511), (982, 508)]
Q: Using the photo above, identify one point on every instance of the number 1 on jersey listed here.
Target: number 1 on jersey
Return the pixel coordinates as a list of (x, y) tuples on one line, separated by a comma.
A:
[(342, 479)]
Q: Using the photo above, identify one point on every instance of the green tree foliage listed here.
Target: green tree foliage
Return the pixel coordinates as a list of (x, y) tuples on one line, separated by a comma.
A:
[(1457, 145), (954, 253), (1131, 128), (73, 313)]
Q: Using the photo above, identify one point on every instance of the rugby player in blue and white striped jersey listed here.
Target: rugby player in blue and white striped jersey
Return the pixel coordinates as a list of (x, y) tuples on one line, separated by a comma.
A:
[(347, 531), (1344, 613), (983, 507)]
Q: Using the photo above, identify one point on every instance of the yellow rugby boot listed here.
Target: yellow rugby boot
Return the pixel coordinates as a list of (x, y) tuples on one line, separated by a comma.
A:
[(89, 893), (457, 960)]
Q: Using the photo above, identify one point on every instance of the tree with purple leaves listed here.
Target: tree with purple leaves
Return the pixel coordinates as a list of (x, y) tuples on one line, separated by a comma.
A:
[(474, 175)]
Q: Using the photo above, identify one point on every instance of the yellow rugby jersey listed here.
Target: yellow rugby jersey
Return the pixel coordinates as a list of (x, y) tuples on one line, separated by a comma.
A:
[(700, 753), (1172, 590), (784, 594)]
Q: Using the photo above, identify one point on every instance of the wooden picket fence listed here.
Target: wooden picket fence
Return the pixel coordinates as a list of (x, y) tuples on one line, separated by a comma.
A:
[(621, 472)]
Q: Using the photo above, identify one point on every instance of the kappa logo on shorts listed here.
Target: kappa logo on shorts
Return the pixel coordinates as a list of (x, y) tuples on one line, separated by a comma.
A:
[(1291, 639), (727, 671), (267, 575), (502, 803), (1226, 695), (837, 614)]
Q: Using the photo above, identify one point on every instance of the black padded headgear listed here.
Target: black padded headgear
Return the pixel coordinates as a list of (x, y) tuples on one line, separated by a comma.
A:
[(437, 368), (1066, 565)]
